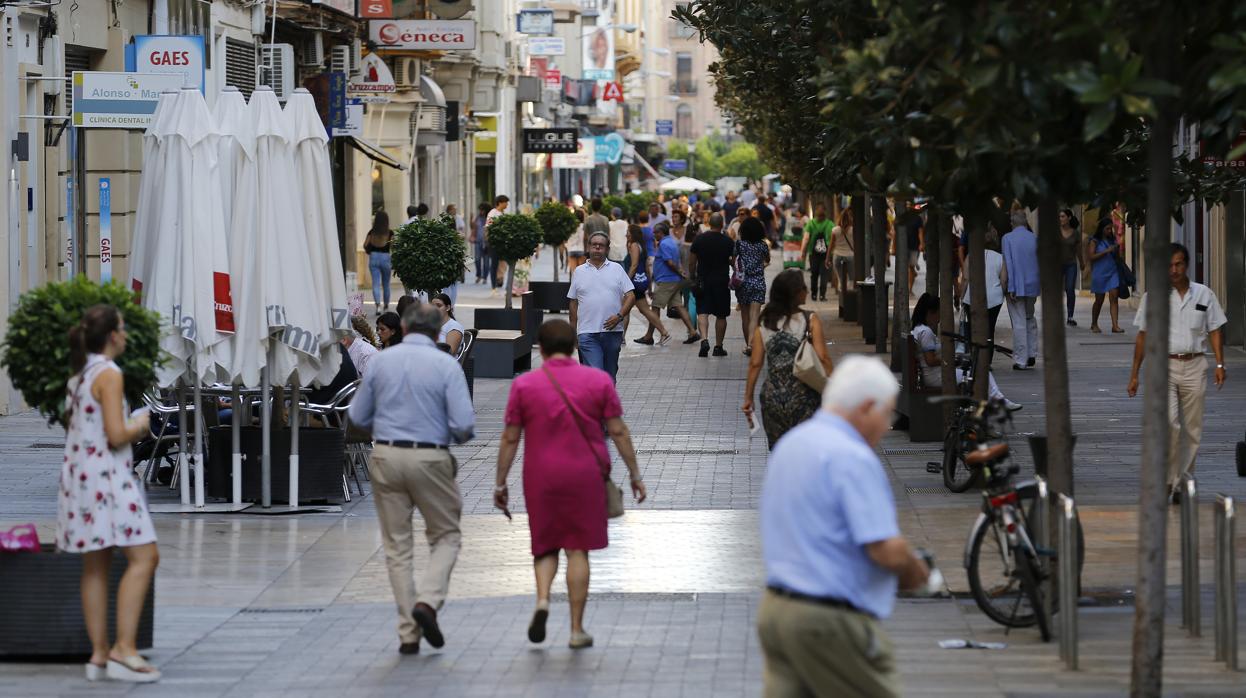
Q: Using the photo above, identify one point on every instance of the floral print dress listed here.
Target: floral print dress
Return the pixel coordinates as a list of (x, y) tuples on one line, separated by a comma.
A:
[(785, 400), (101, 502)]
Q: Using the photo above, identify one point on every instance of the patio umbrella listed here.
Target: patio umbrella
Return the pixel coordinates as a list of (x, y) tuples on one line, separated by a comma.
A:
[(686, 184), (143, 250)]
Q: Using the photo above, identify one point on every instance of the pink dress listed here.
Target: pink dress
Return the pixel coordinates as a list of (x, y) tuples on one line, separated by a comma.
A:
[(562, 478), (101, 502)]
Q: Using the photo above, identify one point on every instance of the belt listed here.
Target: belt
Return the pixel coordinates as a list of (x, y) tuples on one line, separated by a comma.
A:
[(411, 444), (820, 600), (1184, 357)]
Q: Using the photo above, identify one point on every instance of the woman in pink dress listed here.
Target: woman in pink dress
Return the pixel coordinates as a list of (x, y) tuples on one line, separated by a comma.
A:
[(562, 407)]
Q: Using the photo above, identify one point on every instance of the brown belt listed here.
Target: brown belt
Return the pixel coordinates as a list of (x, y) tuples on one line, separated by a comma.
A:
[(1184, 357)]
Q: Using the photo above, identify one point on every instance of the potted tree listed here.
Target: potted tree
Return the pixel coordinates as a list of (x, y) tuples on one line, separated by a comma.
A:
[(428, 254), (557, 223), (41, 589), (514, 237)]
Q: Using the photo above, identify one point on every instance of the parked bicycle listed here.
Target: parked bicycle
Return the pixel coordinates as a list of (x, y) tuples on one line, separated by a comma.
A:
[(962, 434)]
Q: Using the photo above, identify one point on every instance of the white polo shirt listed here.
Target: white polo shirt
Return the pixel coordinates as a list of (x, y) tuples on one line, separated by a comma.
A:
[(599, 293), (1192, 317)]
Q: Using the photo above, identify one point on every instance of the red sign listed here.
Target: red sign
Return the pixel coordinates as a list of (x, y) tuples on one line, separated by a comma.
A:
[(223, 302), (553, 78), (612, 92), (376, 9)]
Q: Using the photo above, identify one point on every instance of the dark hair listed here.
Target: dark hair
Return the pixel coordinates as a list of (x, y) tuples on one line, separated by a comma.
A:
[(595, 204), (445, 299), (784, 297), (1176, 247), (501, 198), (1072, 219), (1102, 227), (394, 323), (412, 211), (679, 212), (380, 224), (556, 337), (91, 333), (483, 209), (636, 235), (421, 210), (846, 218), (404, 302), (925, 304), (752, 230), (579, 214)]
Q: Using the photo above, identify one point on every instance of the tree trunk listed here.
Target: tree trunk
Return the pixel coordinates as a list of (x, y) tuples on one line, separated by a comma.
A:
[(859, 219), (1146, 678), (555, 249), (977, 300), (510, 283), (946, 243), (878, 224), (1055, 353), (900, 305), (934, 257)]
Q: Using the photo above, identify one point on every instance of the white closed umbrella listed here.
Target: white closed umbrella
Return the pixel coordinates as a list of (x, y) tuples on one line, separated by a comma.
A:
[(686, 184), (143, 250)]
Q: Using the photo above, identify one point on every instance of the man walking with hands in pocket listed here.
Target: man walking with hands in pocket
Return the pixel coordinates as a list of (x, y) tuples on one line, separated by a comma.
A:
[(601, 296)]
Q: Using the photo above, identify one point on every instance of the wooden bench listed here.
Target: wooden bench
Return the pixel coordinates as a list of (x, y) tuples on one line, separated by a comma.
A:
[(922, 418), (526, 318), (501, 353)]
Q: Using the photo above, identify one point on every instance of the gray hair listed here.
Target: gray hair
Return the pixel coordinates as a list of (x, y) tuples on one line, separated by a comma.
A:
[(1019, 219), (616, 212), (859, 379), (422, 318), (598, 233), (716, 221)]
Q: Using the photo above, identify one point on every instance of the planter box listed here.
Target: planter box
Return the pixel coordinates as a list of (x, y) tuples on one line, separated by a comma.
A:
[(526, 318), (42, 602), (550, 296), (321, 457)]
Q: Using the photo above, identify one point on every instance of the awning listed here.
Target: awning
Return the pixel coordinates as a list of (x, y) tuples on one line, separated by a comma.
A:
[(374, 152)]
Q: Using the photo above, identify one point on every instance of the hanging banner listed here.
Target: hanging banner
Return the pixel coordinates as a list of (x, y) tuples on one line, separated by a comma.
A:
[(105, 231), (599, 51)]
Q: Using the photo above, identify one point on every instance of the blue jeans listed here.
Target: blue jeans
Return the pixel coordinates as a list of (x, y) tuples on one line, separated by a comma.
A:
[(1070, 286), (484, 262), (379, 267), (601, 350)]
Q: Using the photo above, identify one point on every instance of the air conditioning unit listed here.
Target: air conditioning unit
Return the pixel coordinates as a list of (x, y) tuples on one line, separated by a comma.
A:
[(356, 56), (277, 69), (313, 50), (339, 59), (407, 73)]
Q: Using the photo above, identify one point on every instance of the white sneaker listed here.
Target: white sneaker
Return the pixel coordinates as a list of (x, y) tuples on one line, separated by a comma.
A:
[(1012, 406)]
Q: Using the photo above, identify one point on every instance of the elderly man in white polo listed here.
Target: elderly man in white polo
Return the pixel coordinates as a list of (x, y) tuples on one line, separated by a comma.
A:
[(601, 296)]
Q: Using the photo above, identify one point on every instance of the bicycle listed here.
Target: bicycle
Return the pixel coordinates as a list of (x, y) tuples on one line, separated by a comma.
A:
[(961, 437)]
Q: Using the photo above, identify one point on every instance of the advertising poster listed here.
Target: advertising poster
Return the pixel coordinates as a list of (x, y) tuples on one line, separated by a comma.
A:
[(599, 50)]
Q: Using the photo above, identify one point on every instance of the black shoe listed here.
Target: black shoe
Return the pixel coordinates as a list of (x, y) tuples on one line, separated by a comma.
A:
[(693, 339), (536, 629), (426, 617), (1031, 362), (1019, 367), (644, 340), (1071, 322), (705, 349), (409, 647), (719, 351)]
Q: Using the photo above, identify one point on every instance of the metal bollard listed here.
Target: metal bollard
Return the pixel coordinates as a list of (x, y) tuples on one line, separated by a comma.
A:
[(1066, 524), (1191, 613), (1040, 529), (1226, 582)]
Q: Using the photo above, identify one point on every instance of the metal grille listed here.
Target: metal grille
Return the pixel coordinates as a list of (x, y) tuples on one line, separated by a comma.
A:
[(282, 610), (240, 65), (75, 59), (925, 490), (693, 451), (911, 450), (49, 445)]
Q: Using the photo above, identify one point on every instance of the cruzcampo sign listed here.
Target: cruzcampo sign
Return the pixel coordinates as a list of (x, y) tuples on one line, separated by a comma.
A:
[(119, 100)]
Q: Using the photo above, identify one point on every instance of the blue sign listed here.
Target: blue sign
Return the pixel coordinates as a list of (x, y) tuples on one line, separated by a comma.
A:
[(675, 165), (609, 149), (105, 231), (337, 100), (664, 127)]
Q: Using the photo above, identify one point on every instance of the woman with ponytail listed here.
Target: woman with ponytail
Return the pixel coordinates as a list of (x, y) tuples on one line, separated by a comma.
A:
[(101, 504)]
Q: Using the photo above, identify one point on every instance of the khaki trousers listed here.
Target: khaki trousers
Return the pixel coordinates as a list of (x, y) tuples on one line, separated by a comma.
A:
[(1187, 391), (817, 650), (405, 479)]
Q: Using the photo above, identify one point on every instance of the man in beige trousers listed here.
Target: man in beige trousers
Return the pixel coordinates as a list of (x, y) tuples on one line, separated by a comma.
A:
[(412, 467), (1196, 318)]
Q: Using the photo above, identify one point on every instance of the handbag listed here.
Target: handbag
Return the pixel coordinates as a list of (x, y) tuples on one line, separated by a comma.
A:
[(737, 276), (22, 538), (614, 495), (806, 366), (1127, 277)]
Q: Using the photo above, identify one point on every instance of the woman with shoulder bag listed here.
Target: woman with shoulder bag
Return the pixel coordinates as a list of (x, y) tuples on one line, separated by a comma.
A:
[(376, 244), (786, 400), (101, 504), (566, 468)]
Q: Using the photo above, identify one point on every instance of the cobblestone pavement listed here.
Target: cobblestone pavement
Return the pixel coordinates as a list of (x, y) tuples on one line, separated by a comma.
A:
[(277, 606)]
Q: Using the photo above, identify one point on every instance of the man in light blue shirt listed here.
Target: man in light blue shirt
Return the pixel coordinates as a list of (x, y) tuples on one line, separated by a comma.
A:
[(1021, 263), (831, 545), (414, 399)]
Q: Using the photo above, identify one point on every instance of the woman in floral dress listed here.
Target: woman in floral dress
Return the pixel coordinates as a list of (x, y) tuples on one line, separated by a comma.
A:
[(752, 255), (101, 504)]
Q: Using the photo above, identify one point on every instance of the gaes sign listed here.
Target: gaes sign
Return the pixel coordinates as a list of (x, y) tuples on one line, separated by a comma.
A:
[(424, 34), (168, 55)]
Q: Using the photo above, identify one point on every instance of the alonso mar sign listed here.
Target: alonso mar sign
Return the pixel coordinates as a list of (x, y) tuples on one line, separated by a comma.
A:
[(550, 140), (424, 34), (119, 100)]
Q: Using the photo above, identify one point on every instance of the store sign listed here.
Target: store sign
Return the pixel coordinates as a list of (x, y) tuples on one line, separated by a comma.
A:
[(105, 208), (353, 125), (553, 78), (664, 127), (535, 22), (118, 100), (598, 53), (1220, 161), (169, 55), (486, 139), (374, 77), (609, 149), (612, 92), (376, 9), (424, 34), (585, 157), (550, 140), (675, 165), (547, 46)]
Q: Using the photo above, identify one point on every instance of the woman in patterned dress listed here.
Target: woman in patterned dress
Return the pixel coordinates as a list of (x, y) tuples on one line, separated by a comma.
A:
[(785, 400), (101, 504), (753, 254)]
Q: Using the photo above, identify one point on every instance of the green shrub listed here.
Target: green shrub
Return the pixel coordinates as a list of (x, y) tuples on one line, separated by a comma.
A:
[(637, 202), (557, 222), (612, 202), (428, 254), (36, 346), (513, 236)]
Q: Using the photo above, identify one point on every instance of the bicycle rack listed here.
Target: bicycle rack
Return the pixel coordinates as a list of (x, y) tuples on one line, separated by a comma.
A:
[(1191, 612), (1066, 525), (1226, 582)]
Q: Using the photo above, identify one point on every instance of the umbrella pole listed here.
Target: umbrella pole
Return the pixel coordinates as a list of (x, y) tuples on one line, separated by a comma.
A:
[(294, 444), (183, 467), (236, 435), (199, 450), (266, 436)]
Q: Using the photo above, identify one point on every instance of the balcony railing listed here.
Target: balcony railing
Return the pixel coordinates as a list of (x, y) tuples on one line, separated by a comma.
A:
[(683, 86)]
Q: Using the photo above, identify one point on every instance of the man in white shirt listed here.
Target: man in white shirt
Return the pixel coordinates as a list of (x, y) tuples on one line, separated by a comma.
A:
[(601, 296), (499, 267), (1196, 316), (618, 238)]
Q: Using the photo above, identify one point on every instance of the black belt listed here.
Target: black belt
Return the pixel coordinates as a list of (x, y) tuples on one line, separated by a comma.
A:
[(820, 600), (411, 444)]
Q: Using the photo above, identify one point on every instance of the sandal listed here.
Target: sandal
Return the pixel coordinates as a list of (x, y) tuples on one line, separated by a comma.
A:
[(133, 669), (96, 672), (1117, 330), (536, 629), (665, 338), (1095, 329)]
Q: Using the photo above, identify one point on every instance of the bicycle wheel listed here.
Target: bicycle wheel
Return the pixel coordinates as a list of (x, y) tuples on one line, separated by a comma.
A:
[(1031, 584), (994, 581), (957, 476)]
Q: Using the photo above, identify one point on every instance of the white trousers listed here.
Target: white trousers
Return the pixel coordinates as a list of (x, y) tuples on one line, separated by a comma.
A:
[(1024, 329), (1187, 390)]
